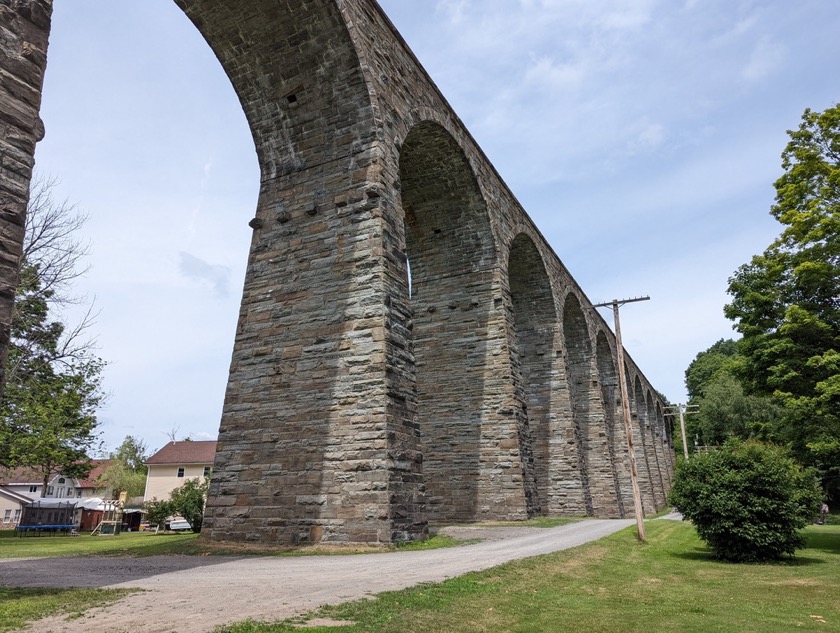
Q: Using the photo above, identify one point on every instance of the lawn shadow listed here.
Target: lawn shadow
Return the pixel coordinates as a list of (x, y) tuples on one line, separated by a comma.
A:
[(698, 553), (706, 555), (94, 571), (827, 541)]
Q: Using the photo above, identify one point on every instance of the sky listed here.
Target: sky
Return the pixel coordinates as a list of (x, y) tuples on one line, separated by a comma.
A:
[(642, 136)]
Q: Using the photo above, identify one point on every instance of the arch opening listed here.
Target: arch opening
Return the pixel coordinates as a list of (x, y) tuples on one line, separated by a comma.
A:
[(451, 260), (535, 323), (613, 422), (578, 363), (643, 443)]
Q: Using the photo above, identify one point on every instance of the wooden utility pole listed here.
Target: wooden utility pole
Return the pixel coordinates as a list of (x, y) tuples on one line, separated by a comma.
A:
[(625, 402), (684, 410)]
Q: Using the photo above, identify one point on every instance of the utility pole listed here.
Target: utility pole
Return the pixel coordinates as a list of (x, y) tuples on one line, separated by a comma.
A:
[(685, 409), (625, 402)]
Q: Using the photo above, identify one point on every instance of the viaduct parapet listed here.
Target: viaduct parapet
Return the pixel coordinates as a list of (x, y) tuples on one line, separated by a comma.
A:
[(409, 348)]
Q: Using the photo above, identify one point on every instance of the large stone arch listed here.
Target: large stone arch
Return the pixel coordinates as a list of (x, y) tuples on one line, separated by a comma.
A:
[(451, 258), (642, 445), (578, 347), (535, 325), (658, 454), (667, 448), (614, 425)]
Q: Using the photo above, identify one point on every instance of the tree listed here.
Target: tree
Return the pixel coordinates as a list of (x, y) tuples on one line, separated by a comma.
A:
[(127, 470), (188, 501), (724, 409), (786, 301), (158, 511), (719, 357), (53, 389), (747, 500)]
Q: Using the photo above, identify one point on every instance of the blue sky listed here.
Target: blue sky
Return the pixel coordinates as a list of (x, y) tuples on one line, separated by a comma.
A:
[(642, 136)]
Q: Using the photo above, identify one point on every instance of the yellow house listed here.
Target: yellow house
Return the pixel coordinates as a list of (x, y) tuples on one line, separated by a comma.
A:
[(176, 462)]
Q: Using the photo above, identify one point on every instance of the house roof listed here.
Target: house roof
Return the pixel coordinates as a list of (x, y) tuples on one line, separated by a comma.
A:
[(27, 476), (20, 476), (186, 452), (14, 496), (99, 466)]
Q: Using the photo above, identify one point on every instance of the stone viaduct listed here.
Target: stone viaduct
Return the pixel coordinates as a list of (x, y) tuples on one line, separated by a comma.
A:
[(409, 348)]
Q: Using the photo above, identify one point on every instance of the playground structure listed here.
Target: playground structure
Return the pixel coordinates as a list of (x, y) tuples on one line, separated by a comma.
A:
[(63, 516)]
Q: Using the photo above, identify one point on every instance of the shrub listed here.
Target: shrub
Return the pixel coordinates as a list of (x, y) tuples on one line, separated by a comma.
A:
[(747, 500), (188, 501), (158, 511)]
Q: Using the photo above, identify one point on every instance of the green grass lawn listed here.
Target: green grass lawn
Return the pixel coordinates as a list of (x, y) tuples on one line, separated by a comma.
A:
[(125, 544), (151, 544), (671, 583), (614, 585)]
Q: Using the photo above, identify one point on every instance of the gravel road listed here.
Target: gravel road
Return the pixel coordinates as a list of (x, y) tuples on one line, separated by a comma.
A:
[(195, 594)]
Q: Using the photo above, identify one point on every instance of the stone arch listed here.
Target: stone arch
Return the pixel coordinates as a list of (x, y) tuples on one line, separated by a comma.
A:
[(658, 463), (535, 324), (667, 449), (643, 446), (614, 424), (578, 369), (285, 61), (451, 258)]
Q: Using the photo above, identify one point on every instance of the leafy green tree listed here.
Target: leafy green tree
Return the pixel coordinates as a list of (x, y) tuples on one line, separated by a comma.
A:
[(53, 381), (158, 511), (127, 471), (725, 411), (747, 500), (188, 501), (48, 410), (786, 301), (722, 356)]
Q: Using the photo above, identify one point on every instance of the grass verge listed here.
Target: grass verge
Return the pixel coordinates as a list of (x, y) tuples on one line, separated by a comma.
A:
[(150, 544), (19, 606), (127, 544), (670, 583)]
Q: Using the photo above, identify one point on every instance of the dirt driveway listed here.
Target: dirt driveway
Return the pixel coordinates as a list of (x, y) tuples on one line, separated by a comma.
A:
[(196, 594)]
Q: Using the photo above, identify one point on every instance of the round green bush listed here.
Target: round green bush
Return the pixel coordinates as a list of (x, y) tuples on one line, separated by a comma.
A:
[(747, 500)]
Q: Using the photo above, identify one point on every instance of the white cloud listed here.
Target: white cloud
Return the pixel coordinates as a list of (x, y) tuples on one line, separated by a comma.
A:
[(215, 276)]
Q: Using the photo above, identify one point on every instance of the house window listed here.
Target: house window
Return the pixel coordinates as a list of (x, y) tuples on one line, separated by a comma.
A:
[(180, 471), (33, 488), (207, 471), (50, 491), (79, 493), (17, 515), (8, 516), (61, 480), (60, 492)]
